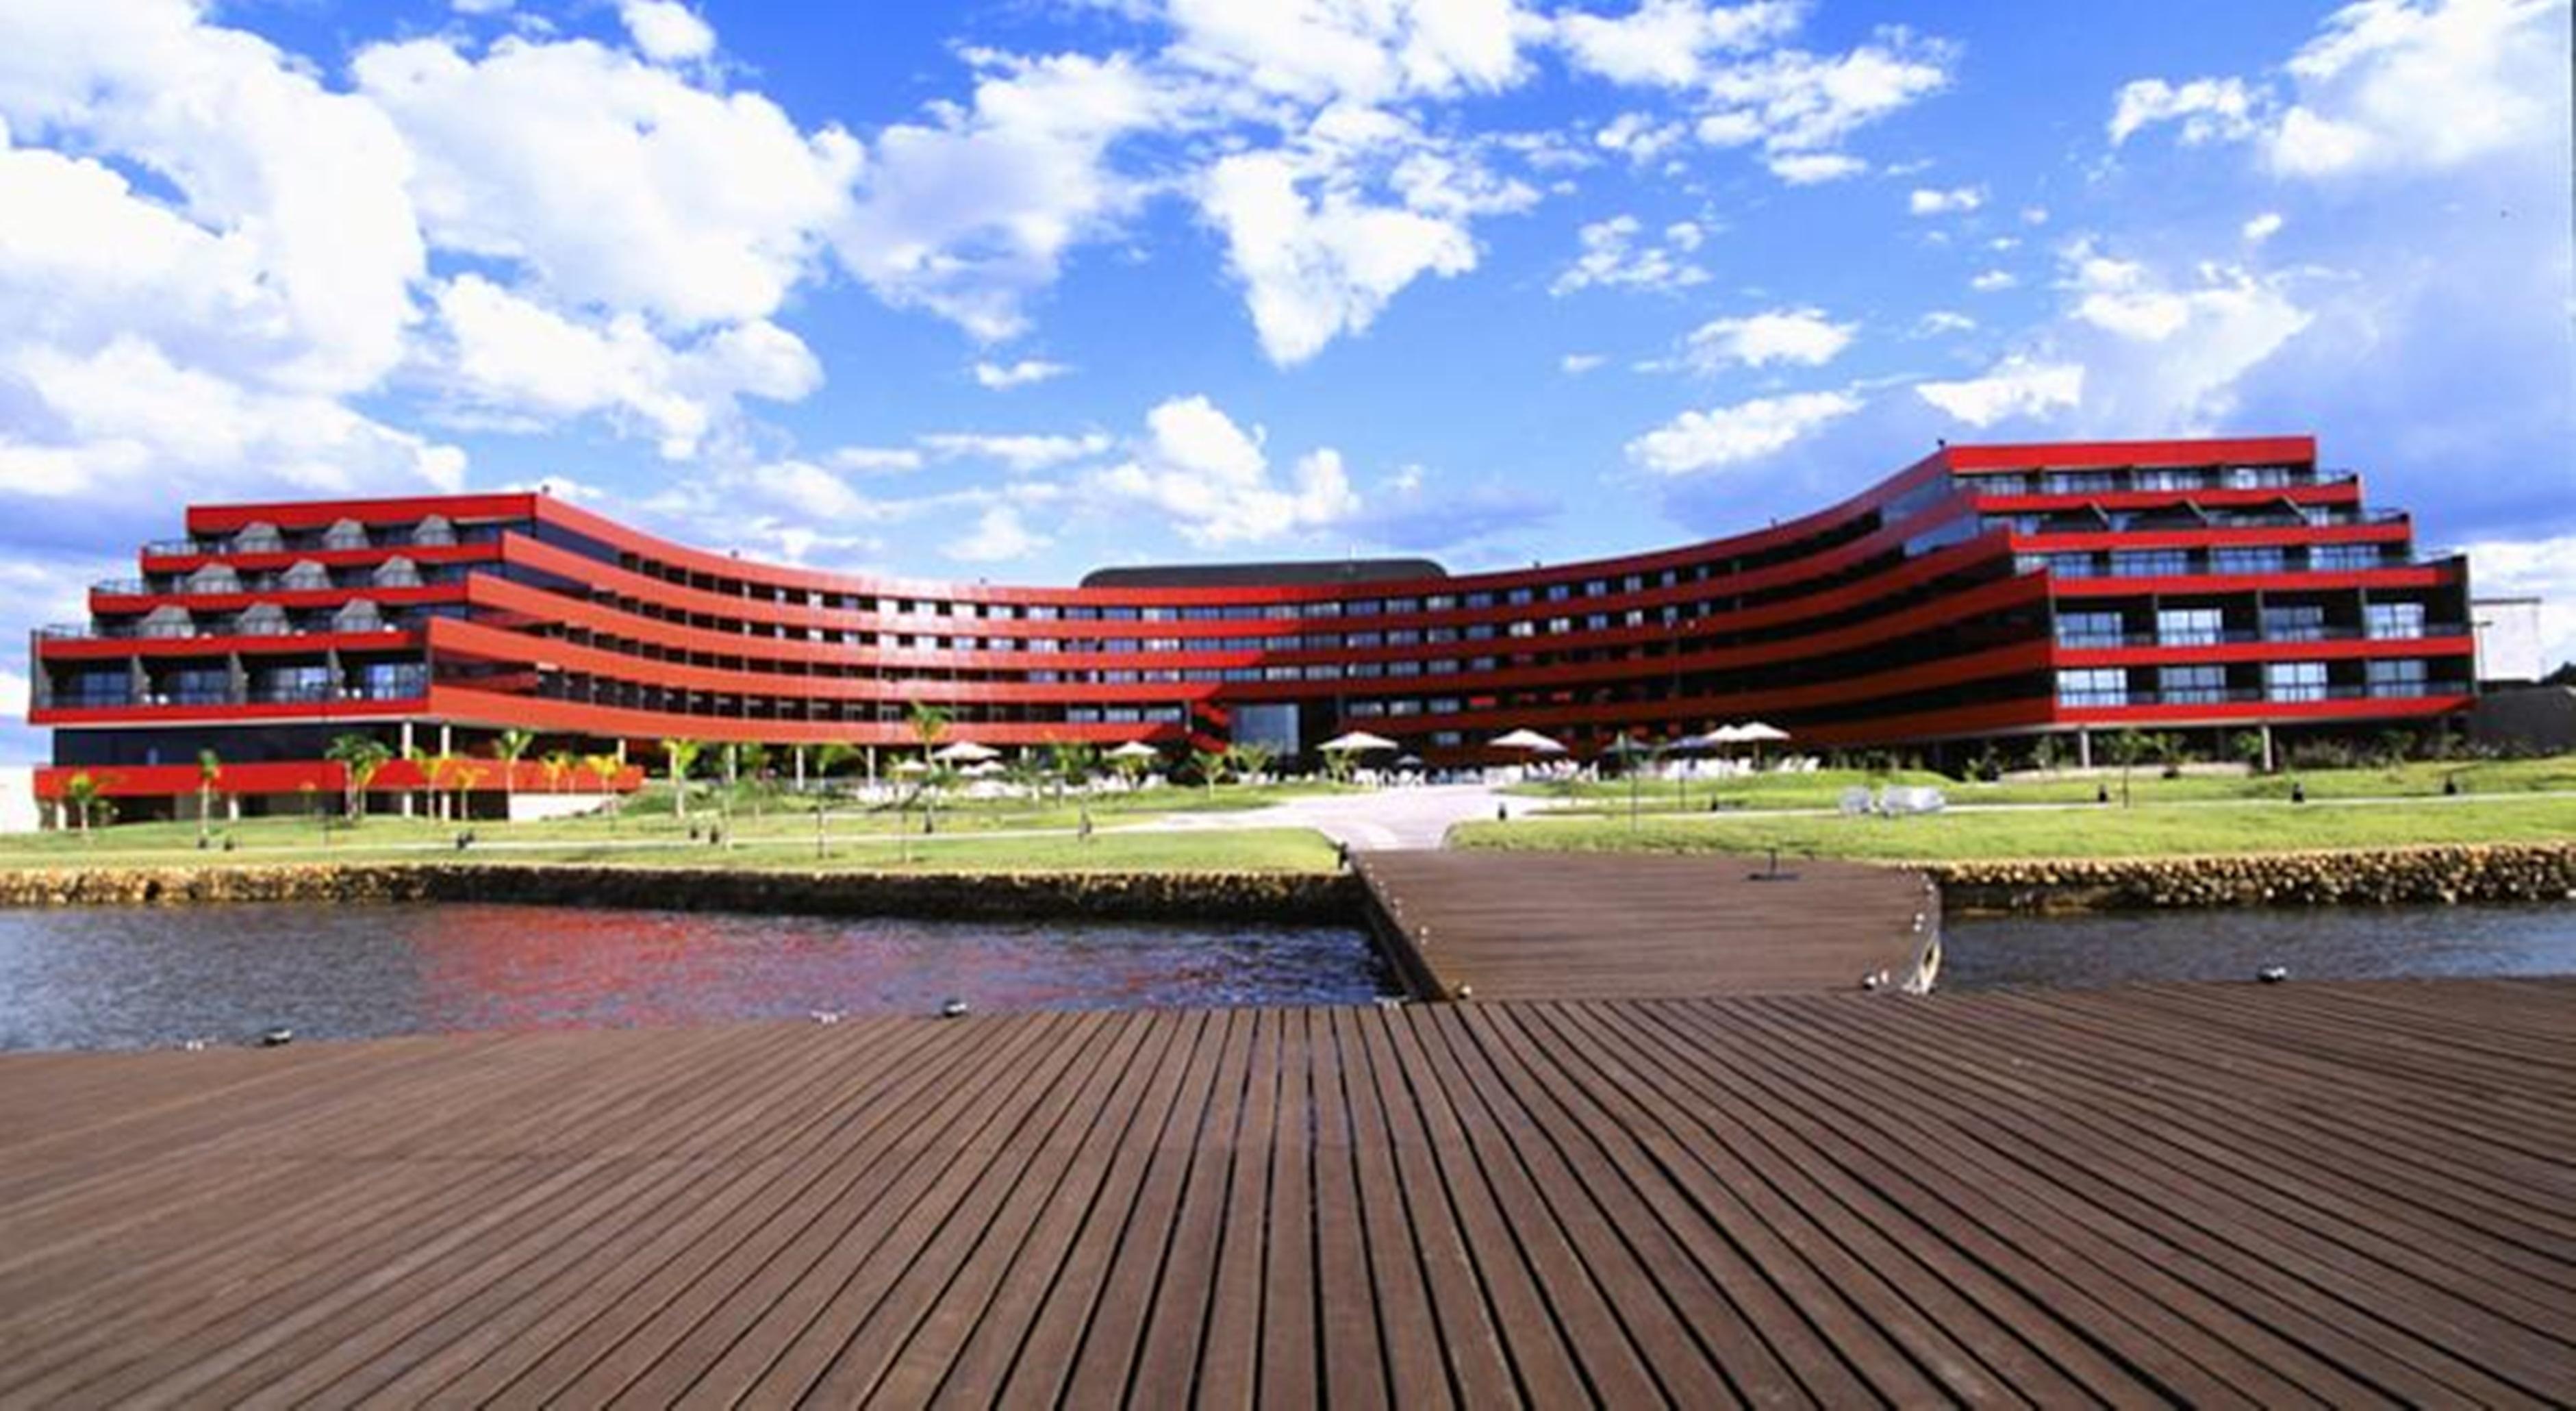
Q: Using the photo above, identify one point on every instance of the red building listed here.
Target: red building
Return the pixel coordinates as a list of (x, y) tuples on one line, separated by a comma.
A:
[(1985, 594)]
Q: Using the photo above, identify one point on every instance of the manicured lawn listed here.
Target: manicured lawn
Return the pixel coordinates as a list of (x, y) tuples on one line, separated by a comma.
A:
[(2087, 832), (2146, 785)]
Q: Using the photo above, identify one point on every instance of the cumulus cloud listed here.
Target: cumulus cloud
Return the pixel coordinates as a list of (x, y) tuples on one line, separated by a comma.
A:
[(2262, 227), (1004, 376), (2384, 86), (1720, 437), (507, 355), (998, 536), (1994, 281), (1941, 321), (1317, 258), (1577, 364), (969, 213), (1958, 200), (666, 31), (1670, 43), (2209, 109), (1213, 479), (1612, 257), (1019, 452), (1803, 337), (2015, 387)]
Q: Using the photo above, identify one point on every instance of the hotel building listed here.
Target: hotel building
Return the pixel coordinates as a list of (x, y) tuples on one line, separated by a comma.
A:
[(1986, 595)]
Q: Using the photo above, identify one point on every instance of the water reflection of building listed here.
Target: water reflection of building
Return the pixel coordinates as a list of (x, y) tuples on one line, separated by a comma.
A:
[(1984, 596)]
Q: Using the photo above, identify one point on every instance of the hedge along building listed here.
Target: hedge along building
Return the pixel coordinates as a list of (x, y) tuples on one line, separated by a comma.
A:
[(1986, 595)]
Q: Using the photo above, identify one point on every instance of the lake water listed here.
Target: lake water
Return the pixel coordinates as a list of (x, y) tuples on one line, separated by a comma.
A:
[(2324, 943), (111, 977)]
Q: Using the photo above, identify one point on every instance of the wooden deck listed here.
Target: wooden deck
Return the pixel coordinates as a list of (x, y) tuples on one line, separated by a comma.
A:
[(1516, 925), (2309, 1193)]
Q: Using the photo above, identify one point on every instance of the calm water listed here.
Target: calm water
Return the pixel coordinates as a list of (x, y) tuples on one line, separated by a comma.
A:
[(131, 977), (2349, 943)]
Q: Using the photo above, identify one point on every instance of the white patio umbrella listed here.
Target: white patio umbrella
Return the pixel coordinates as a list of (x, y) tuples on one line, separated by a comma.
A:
[(1755, 732), (1357, 742), (1134, 749), (965, 752), (911, 766), (1527, 741)]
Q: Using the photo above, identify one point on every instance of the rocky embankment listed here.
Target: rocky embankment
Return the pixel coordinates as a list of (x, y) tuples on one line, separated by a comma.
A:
[(2499, 872), (1174, 896)]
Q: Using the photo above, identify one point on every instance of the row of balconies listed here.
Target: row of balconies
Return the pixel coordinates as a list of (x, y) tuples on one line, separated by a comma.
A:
[(2238, 636), (2150, 480), (347, 535)]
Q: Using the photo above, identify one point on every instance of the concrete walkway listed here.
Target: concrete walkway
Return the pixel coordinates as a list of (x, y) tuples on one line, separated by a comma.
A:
[(1406, 817)]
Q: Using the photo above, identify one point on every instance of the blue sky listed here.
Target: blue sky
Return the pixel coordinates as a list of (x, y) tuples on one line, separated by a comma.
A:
[(1012, 290)]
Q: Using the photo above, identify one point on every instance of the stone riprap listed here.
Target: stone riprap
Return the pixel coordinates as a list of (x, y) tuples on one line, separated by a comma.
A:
[(2499, 872), (1177, 896)]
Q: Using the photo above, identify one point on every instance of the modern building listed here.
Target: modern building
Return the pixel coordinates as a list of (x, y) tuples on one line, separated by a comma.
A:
[(1986, 596)]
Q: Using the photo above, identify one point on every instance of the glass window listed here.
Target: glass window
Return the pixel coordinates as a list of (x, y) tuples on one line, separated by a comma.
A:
[(2088, 629), (2189, 627), (2104, 686), (2151, 563), (2192, 685), (2260, 558), (2294, 680), (2395, 619), (2398, 678)]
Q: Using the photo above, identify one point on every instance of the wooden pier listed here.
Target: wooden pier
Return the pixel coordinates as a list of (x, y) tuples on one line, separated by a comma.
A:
[(1523, 925), (2343, 1194)]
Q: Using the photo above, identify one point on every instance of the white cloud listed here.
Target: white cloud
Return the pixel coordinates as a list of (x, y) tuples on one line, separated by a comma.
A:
[(13, 695), (666, 31), (2015, 387), (1796, 336), (1612, 258), (1724, 436), (507, 355), (1944, 321), (1640, 137), (1003, 376), (1318, 265), (1020, 453), (872, 460), (1958, 200), (2385, 85), (1214, 479), (1793, 102), (1994, 281), (1670, 43), (288, 244), (2177, 346), (611, 182), (1323, 51), (2541, 568), (1815, 168), (998, 535), (2209, 109), (968, 214), (1577, 364), (2423, 85), (2263, 227)]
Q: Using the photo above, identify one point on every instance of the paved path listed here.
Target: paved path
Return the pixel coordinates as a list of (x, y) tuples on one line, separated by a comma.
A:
[(1380, 819)]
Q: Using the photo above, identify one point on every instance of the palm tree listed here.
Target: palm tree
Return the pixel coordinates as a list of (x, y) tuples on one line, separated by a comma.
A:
[(1071, 762), (832, 756), (681, 755), (359, 757), (511, 745), (558, 765), (210, 771), (603, 768), (419, 758), (81, 792), (929, 722), (1249, 758), (1210, 765), (2126, 749)]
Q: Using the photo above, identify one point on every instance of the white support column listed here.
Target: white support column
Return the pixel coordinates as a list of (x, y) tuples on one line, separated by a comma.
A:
[(2083, 748), (408, 796), (2267, 748)]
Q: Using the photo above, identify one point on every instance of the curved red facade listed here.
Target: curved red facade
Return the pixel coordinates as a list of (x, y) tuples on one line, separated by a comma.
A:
[(1983, 592)]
